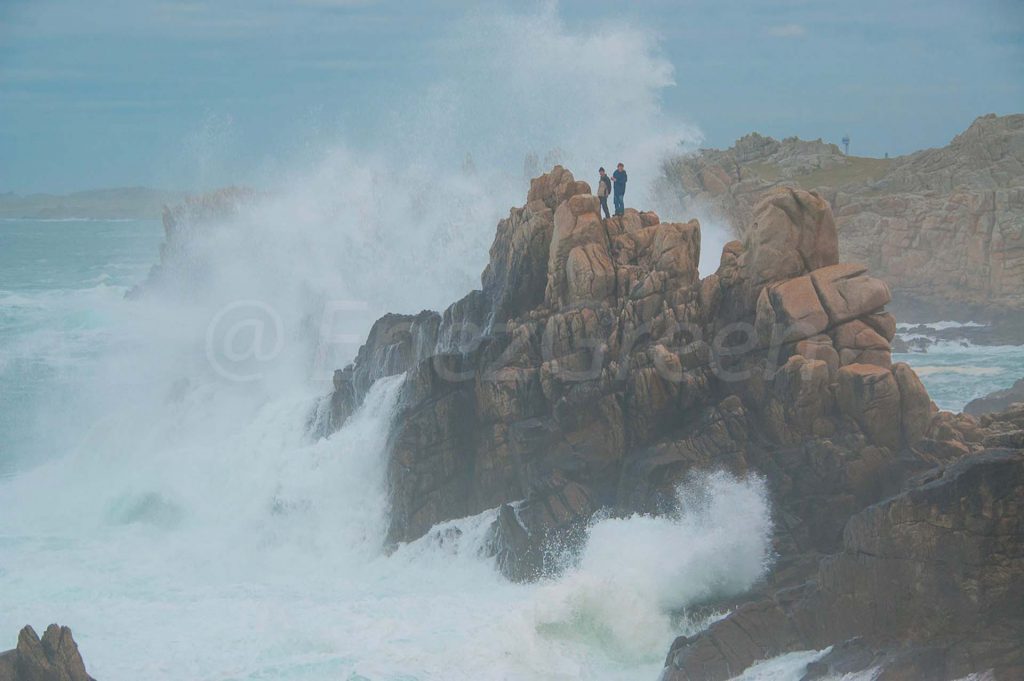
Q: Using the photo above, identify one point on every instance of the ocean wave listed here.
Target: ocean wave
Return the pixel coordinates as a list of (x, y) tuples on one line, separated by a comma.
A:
[(962, 370), (73, 219), (940, 326)]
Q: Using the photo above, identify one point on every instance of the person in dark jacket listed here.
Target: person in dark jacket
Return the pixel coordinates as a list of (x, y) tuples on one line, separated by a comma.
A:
[(604, 188), (619, 176)]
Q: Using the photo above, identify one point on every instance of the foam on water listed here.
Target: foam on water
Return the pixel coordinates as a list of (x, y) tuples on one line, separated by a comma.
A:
[(165, 497), (956, 372)]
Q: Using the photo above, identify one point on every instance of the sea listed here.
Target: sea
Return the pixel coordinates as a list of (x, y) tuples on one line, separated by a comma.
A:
[(184, 519)]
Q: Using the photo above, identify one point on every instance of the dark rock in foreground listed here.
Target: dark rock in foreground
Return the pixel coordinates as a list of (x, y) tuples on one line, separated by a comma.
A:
[(928, 585), (54, 658)]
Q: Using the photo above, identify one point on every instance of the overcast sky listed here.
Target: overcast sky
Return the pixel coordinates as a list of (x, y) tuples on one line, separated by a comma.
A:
[(103, 93)]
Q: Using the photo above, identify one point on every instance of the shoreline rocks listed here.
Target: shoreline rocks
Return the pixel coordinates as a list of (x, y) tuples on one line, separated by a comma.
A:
[(612, 372), (927, 584), (55, 657), (625, 371), (942, 226)]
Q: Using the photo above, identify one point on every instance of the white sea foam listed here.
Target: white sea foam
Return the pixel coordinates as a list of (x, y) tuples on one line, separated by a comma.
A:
[(187, 526), (939, 326)]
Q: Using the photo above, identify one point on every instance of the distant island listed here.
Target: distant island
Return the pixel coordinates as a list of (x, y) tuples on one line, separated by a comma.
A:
[(100, 204)]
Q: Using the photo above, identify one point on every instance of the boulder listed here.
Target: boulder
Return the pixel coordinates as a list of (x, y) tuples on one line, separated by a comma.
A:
[(819, 347), (793, 233), (859, 343), (916, 407), (54, 658), (590, 276), (791, 310), (870, 395), (577, 224), (847, 292)]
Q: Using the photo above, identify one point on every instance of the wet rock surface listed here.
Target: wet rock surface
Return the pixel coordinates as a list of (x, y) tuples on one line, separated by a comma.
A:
[(620, 371), (610, 380), (927, 585)]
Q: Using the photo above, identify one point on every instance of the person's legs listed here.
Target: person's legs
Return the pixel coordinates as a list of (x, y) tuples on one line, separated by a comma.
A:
[(604, 206), (620, 204)]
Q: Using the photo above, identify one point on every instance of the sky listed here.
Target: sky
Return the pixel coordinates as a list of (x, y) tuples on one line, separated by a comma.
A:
[(189, 94)]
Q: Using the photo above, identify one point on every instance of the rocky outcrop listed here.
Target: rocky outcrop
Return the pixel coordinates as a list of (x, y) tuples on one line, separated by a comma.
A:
[(928, 584), (178, 266), (997, 401), (944, 226), (595, 369), (53, 658)]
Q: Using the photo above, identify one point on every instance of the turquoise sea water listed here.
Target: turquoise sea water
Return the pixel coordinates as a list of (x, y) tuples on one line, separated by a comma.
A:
[(59, 282)]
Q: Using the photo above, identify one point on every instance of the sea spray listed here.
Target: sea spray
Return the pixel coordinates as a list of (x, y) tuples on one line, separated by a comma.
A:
[(635, 573), (187, 526)]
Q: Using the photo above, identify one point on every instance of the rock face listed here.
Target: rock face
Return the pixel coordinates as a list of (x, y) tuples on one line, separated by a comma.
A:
[(941, 225), (54, 658), (594, 369), (927, 585), (1000, 400)]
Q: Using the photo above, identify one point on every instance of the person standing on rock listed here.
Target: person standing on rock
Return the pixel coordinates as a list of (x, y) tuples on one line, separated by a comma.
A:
[(604, 188), (619, 176)]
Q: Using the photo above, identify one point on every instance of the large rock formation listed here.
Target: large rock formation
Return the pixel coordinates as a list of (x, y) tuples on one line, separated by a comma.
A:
[(54, 658), (596, 370), (941, 225)]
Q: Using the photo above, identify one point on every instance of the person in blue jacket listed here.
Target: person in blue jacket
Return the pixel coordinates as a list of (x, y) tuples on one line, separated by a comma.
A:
[(619, 181)]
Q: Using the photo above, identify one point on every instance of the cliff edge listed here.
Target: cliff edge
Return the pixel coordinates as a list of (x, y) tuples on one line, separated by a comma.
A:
[(944, 226)]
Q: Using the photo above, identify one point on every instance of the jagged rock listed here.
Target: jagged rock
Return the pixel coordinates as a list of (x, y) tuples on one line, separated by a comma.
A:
[(628, 373), (928, 584), (527, 541), (54, 658), (395, 343), (516, 275)]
